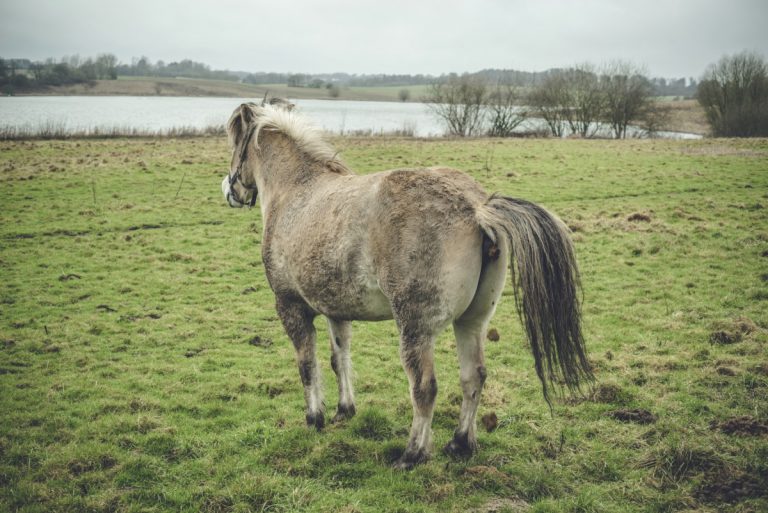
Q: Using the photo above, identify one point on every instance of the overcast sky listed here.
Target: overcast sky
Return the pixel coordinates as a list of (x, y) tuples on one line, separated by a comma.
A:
[(672, 38)]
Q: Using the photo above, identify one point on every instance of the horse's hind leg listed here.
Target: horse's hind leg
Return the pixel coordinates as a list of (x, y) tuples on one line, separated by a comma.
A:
[(470, 330), (417, 355), (297, 319), (472, 374), (341, 362)]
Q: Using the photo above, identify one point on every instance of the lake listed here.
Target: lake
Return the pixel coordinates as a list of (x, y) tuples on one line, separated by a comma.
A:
[(157, 114), (161, 113)]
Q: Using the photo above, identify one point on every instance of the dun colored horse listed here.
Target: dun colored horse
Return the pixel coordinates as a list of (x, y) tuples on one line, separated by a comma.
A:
[(427, 247)]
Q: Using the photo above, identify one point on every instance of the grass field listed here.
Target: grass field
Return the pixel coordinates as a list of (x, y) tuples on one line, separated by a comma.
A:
[(142, 367)]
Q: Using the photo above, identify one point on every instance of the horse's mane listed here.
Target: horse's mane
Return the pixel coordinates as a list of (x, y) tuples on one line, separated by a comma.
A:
[(279, 115)]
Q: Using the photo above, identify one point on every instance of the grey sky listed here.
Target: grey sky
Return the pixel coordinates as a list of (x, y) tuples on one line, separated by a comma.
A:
[(672, 38)]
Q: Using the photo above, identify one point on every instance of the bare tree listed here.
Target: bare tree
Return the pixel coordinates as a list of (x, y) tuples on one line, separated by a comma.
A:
[(585, 100), (549, 100), (459, 101), (734, 94), (504, 112), (627, 93)]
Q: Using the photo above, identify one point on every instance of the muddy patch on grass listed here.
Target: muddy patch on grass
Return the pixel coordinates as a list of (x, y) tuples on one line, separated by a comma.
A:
[(741, 426), (482, 477), (503, 504), (732, 332), (260, 342), (731, 487), (639, 217), (609, 393), (637, 416)]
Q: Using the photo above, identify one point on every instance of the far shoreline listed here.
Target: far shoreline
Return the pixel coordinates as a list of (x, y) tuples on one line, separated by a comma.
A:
[(685, 116)]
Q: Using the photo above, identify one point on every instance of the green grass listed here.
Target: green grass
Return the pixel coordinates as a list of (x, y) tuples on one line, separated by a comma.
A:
[(132, 378)]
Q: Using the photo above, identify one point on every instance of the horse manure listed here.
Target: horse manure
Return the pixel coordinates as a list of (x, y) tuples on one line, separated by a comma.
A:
[(724, 337), (193, 352), (741, 426), (730, 332), (493, 335), (67, 277), (490, 421), (249, 290), (638, 416), (638, 217), (260, 342), (608, 393), (725, 371)]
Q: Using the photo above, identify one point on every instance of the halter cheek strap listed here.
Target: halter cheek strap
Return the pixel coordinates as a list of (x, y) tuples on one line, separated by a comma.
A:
[(237, 176)]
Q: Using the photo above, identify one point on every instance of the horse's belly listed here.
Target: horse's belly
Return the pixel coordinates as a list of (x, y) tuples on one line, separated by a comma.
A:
[(345, 299)]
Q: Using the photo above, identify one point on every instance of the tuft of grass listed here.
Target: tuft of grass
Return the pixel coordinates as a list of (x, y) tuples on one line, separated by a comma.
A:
[(372, 424)]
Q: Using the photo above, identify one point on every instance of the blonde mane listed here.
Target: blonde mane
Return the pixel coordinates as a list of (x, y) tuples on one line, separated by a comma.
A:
[(281, 117)]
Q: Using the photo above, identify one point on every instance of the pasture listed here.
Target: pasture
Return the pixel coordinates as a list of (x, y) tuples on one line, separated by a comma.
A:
[(143, 368)]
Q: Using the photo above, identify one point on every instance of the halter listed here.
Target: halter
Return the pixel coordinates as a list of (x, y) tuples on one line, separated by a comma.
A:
[(236, 176)]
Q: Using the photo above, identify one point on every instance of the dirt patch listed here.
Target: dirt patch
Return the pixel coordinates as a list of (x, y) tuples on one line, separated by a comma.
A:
[(493, 335), (193, 352), (637, 415), (731, 332), (260, 342), (500, 504), (487, 478), (741, 426), (725, 371), (730, 487), (608, 393)]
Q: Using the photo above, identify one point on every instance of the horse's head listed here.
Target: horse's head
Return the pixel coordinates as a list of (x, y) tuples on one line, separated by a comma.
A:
[(240, 185)]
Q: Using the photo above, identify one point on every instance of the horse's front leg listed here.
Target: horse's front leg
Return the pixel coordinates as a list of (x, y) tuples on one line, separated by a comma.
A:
[(297, 319), (341, 362)]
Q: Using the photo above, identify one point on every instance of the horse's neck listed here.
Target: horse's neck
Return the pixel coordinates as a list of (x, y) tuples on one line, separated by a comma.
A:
[(286, 172)]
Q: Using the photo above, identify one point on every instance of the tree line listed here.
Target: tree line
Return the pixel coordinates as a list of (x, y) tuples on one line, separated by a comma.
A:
[(587, 101), (144, 67), (582, 100), (25, 74)]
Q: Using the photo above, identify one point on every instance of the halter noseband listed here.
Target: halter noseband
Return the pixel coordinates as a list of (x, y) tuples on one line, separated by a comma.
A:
[(236, 176)]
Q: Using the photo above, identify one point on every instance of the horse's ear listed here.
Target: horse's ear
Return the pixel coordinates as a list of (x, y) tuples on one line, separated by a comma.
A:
[(282, 103), (239, 122)]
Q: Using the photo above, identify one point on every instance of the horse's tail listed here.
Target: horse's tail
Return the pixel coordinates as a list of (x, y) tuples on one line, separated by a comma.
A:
[(546, 286)]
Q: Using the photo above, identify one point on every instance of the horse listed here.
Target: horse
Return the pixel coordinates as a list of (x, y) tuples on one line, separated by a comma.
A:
[(425, 247)]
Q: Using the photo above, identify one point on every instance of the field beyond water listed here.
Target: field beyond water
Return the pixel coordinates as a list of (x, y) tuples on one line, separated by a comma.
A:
[(142, 367)]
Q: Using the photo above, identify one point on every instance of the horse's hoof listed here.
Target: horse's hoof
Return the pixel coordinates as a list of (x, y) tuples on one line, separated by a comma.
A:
[(409, 460), (344, 413), (316, 420), (460, 447)]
